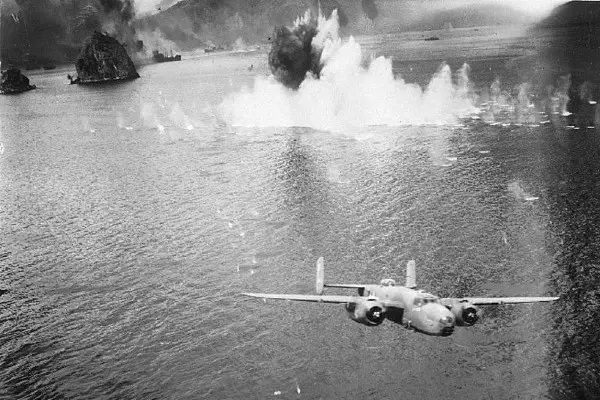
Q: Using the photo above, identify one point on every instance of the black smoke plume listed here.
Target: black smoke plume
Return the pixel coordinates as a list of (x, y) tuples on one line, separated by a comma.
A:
[(370, 8), (123, 8), (36, 32), (292, 55)]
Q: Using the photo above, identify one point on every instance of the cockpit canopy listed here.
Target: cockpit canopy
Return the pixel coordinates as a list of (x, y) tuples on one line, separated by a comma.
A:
[(387, 282), (425, 298)]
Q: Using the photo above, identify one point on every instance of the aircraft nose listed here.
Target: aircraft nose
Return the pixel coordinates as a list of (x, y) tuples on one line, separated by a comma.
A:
[(446, 323)]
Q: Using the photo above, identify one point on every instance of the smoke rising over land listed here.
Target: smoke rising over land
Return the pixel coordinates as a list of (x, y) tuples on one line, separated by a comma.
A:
[(47, 31), (199, 23), (203, 23), (54, 30)]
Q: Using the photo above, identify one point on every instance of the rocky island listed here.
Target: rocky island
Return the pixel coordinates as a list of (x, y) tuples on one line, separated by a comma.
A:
[(103, 59), (13, 82)]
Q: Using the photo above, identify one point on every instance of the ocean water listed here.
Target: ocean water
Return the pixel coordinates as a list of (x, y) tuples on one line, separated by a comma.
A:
[(133, 215)]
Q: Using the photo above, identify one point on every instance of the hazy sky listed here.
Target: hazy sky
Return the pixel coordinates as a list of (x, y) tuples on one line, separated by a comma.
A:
[(531, 6)]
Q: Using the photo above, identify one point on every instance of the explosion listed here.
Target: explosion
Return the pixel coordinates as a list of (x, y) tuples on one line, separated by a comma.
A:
[(292, 54), (332, 90)]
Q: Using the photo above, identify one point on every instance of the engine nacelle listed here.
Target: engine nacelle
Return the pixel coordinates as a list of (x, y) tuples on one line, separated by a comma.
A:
[(370, 313), (466, 314)]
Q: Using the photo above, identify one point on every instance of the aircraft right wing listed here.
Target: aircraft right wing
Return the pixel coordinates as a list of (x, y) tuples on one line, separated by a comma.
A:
[(307, 297), (481, 301)]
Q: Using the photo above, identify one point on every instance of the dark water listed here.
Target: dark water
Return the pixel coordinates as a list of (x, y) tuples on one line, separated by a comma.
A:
[(132, 218)]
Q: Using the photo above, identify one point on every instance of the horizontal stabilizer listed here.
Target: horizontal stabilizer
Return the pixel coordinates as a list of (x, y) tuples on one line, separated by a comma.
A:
[(411, 275), (306, 297)]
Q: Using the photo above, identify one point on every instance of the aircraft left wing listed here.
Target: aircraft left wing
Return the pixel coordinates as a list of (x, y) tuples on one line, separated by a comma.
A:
[(307, 297), (481, 301)]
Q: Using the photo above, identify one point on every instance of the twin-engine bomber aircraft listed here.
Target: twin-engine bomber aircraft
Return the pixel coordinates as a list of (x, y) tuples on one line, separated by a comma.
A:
[(405, 305)]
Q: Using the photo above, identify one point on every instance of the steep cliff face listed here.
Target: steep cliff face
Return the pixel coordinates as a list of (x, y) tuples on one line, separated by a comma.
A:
[(14, 82), (201, 23), (573, 13), (104, 59), (573, 35)]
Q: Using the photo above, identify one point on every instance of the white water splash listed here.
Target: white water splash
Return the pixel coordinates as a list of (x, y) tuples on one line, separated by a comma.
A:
[(179, 118), (349, 95), (516, 189)]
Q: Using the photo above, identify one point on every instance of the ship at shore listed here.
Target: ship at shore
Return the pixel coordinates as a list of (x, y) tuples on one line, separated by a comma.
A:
[(160, 57), (213, 48)]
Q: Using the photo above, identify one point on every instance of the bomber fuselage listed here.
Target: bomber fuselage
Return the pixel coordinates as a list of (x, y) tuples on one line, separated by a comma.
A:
[(413, 309)]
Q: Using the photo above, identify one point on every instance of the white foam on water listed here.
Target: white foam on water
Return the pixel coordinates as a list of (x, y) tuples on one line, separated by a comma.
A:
[(517, 190), (349, 95), (179, 118)]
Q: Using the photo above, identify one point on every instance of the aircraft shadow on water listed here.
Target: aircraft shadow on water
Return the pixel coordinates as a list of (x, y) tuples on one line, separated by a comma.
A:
[(405, 305)]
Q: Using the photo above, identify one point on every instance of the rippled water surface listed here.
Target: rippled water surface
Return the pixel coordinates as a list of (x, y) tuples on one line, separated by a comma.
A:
[(132, 217)]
